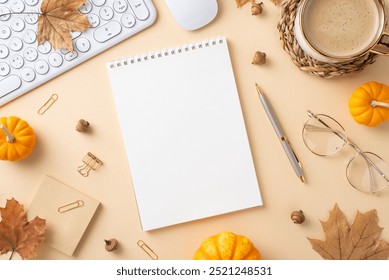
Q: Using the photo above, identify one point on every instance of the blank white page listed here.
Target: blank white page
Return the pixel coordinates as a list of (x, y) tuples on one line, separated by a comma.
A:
[(184, 133)]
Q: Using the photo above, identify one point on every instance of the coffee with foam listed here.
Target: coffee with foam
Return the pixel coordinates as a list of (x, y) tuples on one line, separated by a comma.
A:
[(341, 28)]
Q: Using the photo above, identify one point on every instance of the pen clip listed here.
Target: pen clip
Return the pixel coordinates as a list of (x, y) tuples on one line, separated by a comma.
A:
[(284, 139)]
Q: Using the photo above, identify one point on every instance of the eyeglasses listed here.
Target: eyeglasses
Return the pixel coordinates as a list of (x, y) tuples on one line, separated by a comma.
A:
[(324, 136)]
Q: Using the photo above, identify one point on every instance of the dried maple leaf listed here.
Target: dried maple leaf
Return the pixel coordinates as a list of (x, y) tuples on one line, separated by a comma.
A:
[(358, 242), (17, 234), (58, 19)]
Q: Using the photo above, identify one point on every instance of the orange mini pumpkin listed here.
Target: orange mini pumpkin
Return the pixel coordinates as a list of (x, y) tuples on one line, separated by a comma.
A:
[(17, 139), (369, 104), (227, 246)]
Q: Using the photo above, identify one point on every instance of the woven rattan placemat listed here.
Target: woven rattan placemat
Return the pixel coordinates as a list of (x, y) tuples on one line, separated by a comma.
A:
[(305, 62)]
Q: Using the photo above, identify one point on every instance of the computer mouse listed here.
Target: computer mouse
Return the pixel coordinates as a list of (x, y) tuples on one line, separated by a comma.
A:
[(193, 14)]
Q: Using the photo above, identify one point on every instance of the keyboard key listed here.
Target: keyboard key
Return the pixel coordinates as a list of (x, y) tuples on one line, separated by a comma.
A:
[(64, 51), (86, 7), (55, 59), (106, 13), (17, 25), (31, 2), (9, 84), (71, 55), (30, 54), (28, 74), (140, 9), (107, 31), (17, 6), (75, 34), (29, 36), (83, 45), (5, 32), (128, 20), (31, 18), (45, 47), (5, 12), (99, 3), (41, 67), (120, 6), (16, 61), (4, 51), (15, 44), (4, 69), (93, 19)]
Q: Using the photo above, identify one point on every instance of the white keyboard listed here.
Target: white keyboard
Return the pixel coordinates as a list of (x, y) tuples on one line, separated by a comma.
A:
[(24, 65)]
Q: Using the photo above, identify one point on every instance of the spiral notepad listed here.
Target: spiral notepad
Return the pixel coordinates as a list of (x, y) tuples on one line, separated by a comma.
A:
[(184, 133)]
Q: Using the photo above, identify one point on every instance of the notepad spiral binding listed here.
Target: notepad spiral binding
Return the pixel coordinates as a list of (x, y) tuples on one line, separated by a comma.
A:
[(165, 52)]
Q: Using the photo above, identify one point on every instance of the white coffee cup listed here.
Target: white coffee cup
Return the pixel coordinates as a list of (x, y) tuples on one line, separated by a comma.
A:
[(336, 31)]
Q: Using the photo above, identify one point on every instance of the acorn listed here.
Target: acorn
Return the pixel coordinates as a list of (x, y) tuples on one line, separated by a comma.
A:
[(297, 217), (82, 125), (111, 244), (259, 58), (256, 9)]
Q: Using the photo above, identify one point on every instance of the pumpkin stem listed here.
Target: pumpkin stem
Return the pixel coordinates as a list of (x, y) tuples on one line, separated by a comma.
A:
[(10, 138), (375, 103)]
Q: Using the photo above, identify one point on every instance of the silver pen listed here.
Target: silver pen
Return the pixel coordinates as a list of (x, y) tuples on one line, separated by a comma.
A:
[(281, 136)]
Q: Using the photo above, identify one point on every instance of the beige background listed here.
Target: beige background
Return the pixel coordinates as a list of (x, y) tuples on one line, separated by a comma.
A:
[(84, 92)]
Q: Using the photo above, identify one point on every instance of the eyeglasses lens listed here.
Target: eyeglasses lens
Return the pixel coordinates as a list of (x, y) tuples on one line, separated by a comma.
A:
[(367, 172), (323, 135)]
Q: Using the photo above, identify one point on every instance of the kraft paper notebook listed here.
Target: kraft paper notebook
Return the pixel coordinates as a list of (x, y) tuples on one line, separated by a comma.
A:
[(184, 133), (67, 212)]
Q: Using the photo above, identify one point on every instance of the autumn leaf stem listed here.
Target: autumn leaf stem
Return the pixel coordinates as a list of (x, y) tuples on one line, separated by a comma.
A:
[(12, 253)]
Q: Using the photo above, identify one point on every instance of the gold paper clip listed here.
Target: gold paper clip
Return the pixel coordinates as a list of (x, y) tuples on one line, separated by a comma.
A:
[(147, 249), (48, 104), (90, 162), (70, 206)]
